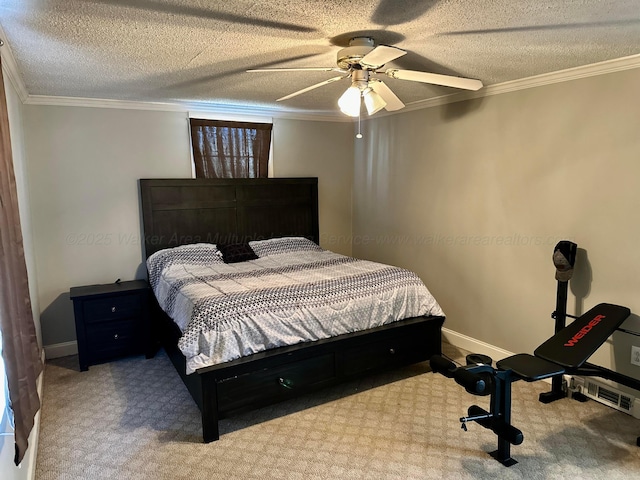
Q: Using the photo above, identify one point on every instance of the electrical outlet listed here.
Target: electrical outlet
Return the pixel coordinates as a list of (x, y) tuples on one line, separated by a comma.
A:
[(635, 356)]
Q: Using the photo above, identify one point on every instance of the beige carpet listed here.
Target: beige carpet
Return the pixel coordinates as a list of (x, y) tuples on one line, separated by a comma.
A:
[(134, 419)]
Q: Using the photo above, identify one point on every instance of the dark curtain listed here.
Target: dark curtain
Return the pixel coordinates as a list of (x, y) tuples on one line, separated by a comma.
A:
[(20, 349), (224, 149)]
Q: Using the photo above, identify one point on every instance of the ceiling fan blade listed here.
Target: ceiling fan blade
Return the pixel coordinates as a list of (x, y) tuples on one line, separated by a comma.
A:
[(301, 69), (312, 87), (381, 88), (380, 55), (446, 80)]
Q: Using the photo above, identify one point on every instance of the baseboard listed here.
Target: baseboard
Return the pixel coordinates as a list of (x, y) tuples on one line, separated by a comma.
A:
[(31, 455), (58, 350), (475, 346), (35, 432)]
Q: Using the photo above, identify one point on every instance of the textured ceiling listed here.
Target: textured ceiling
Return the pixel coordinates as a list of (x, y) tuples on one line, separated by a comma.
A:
[(198, 51)]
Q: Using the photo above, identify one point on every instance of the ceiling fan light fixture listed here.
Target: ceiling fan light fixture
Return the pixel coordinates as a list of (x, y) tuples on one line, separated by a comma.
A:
[(349, 102), (373, 101)]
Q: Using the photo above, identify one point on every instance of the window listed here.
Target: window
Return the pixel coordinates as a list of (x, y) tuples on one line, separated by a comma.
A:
[(224, 149), (5, 415)]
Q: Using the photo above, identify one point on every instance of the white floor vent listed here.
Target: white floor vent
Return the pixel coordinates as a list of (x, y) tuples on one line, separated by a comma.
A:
[(606, 394)]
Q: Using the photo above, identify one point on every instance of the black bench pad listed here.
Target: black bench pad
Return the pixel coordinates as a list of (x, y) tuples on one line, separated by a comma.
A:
[(575, 343), (530, 368)]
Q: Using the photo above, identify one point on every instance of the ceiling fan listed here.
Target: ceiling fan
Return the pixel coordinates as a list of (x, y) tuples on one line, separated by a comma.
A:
[(360, 62)]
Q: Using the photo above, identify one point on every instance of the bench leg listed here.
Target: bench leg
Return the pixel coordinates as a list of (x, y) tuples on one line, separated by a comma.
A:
[(558, 390), (501, 409), (498, 419)]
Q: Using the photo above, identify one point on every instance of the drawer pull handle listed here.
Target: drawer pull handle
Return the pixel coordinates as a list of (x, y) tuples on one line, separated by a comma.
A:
[(285, 383), (113, 309), (392, 351), (115, 337)]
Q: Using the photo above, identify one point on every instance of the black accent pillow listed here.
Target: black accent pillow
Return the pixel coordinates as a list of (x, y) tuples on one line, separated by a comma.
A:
[(237, 252)]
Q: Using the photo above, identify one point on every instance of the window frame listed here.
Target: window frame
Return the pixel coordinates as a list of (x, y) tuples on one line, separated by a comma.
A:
[(230, 117)]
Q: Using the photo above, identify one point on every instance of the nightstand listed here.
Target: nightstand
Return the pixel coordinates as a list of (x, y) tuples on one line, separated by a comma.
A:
[(112, 320)]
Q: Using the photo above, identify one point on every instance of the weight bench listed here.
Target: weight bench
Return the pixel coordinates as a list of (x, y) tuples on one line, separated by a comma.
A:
[(564, 353)]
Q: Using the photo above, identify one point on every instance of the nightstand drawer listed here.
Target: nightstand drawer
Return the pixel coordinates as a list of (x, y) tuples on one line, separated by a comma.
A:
[(114, 338), (111, 308)]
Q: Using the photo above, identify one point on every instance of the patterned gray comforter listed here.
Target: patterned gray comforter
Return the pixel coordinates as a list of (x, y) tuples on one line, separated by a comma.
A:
[(294, 292)]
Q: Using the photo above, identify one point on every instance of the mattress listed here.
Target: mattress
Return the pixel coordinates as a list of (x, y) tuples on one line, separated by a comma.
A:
[(291, 291)]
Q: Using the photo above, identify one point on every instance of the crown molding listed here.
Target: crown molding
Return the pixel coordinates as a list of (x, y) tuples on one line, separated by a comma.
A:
[(575, 73), (192, 107), (102, 103), (601, 68), (249, 111)]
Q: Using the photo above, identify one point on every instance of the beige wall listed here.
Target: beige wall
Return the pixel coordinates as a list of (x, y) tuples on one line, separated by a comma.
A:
[(475, 195), (323, 150), (83, 167)]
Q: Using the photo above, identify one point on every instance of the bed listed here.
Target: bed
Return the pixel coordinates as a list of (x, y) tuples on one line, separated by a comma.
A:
[(198, 215)]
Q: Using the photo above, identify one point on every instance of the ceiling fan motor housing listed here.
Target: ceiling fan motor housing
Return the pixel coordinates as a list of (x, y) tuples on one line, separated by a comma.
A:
[(358, 47)]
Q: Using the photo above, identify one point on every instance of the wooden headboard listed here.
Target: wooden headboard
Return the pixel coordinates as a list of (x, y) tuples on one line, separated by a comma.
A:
[(182, 211)]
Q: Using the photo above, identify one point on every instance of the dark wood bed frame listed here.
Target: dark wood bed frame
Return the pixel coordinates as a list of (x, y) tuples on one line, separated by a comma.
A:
[(183, 211)]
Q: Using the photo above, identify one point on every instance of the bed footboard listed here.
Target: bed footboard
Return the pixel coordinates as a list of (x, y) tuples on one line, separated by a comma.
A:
[(269, 377)]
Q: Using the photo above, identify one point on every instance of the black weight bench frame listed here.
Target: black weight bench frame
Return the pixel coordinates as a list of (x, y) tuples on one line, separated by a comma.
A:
[(564, 353)]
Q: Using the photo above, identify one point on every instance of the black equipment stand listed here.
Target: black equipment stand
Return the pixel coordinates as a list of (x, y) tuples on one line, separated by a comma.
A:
[(564, 353), (564, 258)]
